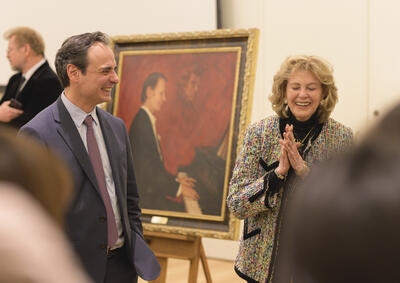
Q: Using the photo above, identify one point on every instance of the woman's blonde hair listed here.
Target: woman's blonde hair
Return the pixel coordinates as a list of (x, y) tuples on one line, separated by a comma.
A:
[(321, 69)]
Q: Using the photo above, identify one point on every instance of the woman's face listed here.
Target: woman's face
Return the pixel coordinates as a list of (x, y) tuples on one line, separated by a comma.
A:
[(303, 94)]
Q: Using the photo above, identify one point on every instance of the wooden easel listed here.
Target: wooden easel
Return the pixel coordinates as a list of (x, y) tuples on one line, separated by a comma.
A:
[(167, 246)]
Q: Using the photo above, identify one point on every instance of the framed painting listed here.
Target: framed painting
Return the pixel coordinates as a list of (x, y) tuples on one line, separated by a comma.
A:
[(185, 99)]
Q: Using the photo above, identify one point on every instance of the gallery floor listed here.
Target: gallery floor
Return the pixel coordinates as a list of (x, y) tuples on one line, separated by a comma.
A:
[(221, 272)]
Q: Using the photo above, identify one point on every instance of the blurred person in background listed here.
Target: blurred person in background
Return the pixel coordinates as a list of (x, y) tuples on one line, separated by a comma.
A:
[(35, 85), (344, 219), (35, 189), (277, 152)]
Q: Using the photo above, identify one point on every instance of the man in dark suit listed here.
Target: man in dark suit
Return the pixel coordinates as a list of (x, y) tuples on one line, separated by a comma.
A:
[(158, 189), (103, 220), (35, 86)]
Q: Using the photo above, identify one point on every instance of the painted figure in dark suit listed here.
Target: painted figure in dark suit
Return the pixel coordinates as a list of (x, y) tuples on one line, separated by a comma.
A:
[(158, 189), (86, 67), (35, 86)]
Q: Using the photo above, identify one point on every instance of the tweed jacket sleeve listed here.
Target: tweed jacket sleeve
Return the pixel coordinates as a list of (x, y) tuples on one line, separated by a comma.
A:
[(247, 187)]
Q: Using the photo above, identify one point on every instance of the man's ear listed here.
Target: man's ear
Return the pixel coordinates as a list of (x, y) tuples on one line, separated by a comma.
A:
[(27, 49), (149, 92), (73, 72)]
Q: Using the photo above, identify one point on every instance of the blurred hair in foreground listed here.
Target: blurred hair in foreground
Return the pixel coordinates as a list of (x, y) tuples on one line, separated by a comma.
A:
[(37, 170), (346, 215), (35, 189)]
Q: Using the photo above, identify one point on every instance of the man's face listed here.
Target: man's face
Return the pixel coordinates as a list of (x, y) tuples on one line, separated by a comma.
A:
[(16, 54), (157, 96), (191, 88), (96, 84)]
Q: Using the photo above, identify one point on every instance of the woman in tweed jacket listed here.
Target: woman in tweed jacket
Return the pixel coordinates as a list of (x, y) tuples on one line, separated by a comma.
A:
[(277, 152)]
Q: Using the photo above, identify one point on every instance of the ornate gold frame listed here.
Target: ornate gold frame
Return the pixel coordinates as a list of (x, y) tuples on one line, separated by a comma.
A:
[(227, 228)]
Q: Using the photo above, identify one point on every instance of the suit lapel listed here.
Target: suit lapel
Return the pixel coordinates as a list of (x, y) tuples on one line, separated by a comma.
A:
[(34, 76), (72, 138), (114, 153), (112, 149), (12, 91)]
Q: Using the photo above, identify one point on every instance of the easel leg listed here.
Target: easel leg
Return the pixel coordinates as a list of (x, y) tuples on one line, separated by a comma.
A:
[(205, 264), (181, 247), (194, 261)]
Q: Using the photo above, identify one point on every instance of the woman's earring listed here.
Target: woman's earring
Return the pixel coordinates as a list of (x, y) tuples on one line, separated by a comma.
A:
[(287, 108)]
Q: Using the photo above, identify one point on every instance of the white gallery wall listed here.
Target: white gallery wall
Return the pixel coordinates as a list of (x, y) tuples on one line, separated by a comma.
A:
[(358, 37), (56, 20), (384, 56)]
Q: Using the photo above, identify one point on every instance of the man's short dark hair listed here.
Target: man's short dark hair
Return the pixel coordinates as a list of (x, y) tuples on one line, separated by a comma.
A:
[(74, 51), (151, 81)]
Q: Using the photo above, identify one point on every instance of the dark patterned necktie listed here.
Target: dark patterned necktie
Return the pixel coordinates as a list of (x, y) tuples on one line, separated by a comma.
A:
[(95, 158), (21, 82)]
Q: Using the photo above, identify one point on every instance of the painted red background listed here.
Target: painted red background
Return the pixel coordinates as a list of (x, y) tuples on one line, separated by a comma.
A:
[(213, 104)]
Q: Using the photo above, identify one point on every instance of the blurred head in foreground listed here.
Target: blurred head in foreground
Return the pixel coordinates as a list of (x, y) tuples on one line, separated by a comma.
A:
[(37, 170), (35, 189), (346, 215)]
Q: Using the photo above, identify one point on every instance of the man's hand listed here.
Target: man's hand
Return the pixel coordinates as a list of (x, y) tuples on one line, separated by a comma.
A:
[(187, 186), (8, 113), (186, 181), (190, 193)]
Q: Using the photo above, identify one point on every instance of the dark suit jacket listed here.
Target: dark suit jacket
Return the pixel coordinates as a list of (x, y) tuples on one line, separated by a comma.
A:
[(157, 188), (41, 90), (86, 225)]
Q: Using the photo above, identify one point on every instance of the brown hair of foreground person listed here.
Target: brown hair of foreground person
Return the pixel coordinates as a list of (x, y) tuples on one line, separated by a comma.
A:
[(35, 168), (346, 215)]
